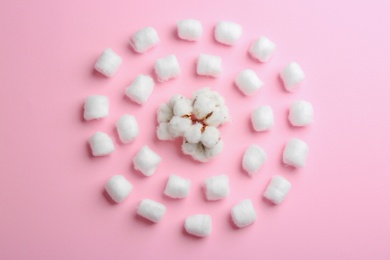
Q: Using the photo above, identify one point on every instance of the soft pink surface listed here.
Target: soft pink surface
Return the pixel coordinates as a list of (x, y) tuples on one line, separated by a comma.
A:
[(52, 204)]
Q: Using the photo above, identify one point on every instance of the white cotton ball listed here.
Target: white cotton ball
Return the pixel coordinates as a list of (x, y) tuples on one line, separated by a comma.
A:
[(198, 225), (177, 187), (182, 107), (243, 214), (211, 152), (96, 107), (203, 106), (194, 133), (209, 65), (262, 49), (141, 88), (227, 32), (301, 113), (254, 158), (189, 29), (216, 187), (151, 210), (248, 82), (144, 39), (127, 128), (292, 76), (277, 189), (108, 63), (179, 125), (210, 136), (295, 153), (101, 144), (219, 116), (197, 151), (146, 161), (164, 113), (118, 188), (163, 132), (167, 68), (262, 118), (173, 100)]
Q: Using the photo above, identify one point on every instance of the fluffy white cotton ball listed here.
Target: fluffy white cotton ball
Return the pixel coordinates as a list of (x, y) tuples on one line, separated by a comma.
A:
[(301, 113), (262, 118), (243, 214), (127, 128), (216, 187), (101, 144), (141, 88), (152, 210), (292, 76), (164, 113), (227, 32), (262, 49), (108, 63), (96, 107), (248, 82), (295, 153), (179, 125), (203, 105), (194, 133), (209, 65), (163, 132), (210, 136), (199, 225), (201, 153), (219, 116), (211, 152), (277, 189), (182, 107), (190, 29), (177, 187), (254, 158), (118, 188), (167, 68), (146, 161), (144, 39)]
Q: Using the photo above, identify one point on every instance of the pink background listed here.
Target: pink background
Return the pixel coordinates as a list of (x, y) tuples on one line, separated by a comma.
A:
[(52, 204)]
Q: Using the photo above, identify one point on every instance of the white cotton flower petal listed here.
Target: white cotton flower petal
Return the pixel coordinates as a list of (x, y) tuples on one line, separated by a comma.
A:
[(164, 113), (214, 151), (219, 116), (210, 136), (194, 133), (163, 132), (173, 100), (183, 106), (178, 125), (203, 106)]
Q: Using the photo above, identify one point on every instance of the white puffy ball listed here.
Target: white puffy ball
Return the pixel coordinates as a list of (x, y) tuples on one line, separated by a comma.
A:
[(209, 65), (227, 32), (219, 116), (179, 125), (262, 118), (262, 49), (141, 88), (301, 113), (189, 29), (167, 68), (152, 210), (182, 107), (146, 161), (194, 133), (211, 152), (164, 113), (243, 214), (198, 225), (248, 82), (163, 132), (203, 105), (101, 144), (144, 39), (295, 153), (96, 107), (201, 153), (277, 189), (118, 188), (217, 187), (210, 136), (177, 187), (108, 63), (292, 76), (254, 158), (127, 128)]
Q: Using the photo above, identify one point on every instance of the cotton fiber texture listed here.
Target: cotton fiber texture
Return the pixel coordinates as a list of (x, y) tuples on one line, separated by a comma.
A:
[(227, 32), (262, 49), (177, 187), (101, 144), (209, 65), (146, 161), (301, 113), (243, 214), (262, 118), (198, 225), (167, 68), (108, 63), (151, 210), (277, 189), (127, 128), (96, 107), (216, 187), (118, 188), (248, 82), (190, 29), (141, 88), (295, 153), (292, 76), (144, 39), (254, 158)]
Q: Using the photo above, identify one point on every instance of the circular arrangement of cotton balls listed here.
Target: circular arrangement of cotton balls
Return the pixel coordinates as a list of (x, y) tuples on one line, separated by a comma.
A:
[(196, 121)]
